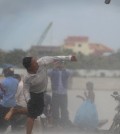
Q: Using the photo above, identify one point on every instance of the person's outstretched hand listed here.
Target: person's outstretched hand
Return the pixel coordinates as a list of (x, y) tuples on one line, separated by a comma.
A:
[(73, 58)]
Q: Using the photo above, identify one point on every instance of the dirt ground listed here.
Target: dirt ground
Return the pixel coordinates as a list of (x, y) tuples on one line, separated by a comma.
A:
[(104, 102), (105, 83)]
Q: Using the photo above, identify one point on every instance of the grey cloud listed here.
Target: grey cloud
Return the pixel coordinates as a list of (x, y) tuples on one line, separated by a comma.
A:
[(13, 13), (16, 6)]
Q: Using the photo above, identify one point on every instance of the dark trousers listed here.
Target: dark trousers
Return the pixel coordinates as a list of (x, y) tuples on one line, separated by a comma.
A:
[(3, 123), (17, 122), (59, 109)]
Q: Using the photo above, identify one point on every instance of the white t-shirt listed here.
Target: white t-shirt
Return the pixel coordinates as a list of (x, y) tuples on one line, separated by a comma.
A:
[(22, 95)]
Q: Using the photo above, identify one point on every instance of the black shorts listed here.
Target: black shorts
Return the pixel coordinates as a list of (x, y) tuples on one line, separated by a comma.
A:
[(35, 105)]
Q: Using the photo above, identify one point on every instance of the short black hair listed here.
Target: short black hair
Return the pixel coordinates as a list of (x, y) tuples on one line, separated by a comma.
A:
[(8, 72), (27, 62)]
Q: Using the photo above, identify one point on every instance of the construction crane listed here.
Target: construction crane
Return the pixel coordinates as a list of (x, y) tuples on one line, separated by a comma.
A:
[(42, 37)]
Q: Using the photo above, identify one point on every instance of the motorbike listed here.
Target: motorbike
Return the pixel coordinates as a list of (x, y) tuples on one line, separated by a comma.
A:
[(115, 127)]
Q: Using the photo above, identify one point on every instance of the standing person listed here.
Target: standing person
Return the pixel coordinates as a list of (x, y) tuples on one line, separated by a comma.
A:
[(36, 83), (59, 76), (22, 96), (9, 87), (46, 117), (86, 116)]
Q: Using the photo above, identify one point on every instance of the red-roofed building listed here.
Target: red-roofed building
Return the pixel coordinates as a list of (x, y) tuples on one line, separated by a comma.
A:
[(80, 44), (100, 49)]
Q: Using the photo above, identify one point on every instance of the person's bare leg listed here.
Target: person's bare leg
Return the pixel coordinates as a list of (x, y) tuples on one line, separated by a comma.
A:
[(9, 114), (30, 123), (13, 111)]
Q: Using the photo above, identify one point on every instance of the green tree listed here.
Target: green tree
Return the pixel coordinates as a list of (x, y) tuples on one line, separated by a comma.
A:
[(15, 57)]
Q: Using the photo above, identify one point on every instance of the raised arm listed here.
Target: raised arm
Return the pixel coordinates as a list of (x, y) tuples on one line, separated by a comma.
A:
[(81, 97), (51, 59)]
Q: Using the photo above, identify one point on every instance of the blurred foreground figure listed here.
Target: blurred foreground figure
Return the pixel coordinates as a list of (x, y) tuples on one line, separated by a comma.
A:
[(22, 96), (86, 117), (59, 76), (8, 87), (107, 1)]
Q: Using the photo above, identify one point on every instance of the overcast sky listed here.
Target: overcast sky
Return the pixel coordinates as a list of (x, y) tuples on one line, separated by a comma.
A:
[(23, 21)]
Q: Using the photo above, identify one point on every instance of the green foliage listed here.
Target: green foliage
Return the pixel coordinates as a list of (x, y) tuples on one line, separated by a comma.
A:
[(2, 56), (13, 57)]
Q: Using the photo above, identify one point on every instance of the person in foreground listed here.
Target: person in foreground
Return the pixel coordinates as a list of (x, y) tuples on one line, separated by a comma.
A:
[(36, 82), (8, 88)]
